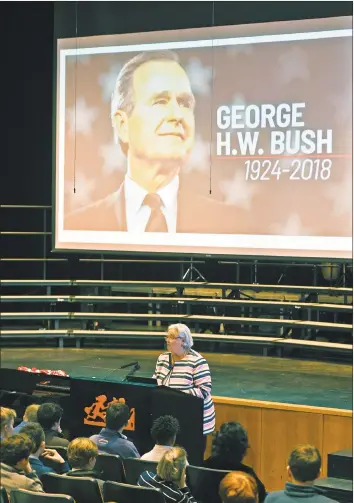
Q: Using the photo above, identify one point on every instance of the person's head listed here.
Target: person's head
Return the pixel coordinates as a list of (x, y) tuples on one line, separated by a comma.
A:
[(304, 464), (179, 339), (7, 418), (82, 453), (35, 432), (49, 415), (238, 487), (117, 416), (230, 442), (152, 109), (172, 465), (15, 450), (30, 414), (164, 430)]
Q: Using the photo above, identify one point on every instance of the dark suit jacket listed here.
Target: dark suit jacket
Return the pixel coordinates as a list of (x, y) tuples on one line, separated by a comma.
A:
[(195, 214), (52, 439)]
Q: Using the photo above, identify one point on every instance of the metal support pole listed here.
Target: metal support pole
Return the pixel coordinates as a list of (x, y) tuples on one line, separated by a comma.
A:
[(45, 243)]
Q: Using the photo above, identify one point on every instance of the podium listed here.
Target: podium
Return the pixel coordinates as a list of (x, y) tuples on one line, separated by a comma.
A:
[(85, 401), (147, 401)]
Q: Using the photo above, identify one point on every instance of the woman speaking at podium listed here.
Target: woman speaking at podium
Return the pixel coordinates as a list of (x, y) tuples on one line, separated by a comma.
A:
[(184, 369)]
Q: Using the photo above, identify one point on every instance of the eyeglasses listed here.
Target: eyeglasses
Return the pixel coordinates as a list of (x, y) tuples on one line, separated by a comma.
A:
[(172, 338)]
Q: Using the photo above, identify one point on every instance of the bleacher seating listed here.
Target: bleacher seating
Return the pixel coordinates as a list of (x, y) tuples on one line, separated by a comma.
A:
[(237, 321)]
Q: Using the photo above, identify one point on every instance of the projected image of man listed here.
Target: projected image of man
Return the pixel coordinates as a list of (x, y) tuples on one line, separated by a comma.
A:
[(152, 113), (153, 119)]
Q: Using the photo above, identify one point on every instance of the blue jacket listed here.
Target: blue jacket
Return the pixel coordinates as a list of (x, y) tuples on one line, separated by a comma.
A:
[(40, 468), (20, 426), (295, 493), (113, 442)]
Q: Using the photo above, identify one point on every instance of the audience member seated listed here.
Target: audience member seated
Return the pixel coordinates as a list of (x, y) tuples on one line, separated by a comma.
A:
[(30, 416), (35, 432), (111, 439), (163, 432), (229, 447), (304, 467), (16, 471), (170, 477), (7, 418), (238, 487), (82, 455), (49, 416)]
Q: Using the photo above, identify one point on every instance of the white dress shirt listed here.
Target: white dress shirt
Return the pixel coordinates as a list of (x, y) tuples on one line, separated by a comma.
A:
[(138, 214), (156, 453)]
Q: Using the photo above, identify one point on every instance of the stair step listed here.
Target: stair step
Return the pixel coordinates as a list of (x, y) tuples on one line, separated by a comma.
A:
[(340, 464), (340, 490)]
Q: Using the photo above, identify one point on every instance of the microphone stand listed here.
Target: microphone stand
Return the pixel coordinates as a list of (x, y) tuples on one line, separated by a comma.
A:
[(131, 372)]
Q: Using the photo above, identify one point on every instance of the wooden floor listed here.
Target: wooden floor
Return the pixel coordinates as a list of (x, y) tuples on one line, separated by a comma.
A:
[(271, 379)]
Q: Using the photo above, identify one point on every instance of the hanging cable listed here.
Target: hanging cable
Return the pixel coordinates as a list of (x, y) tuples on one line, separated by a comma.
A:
[(212, 95), (75, 88)]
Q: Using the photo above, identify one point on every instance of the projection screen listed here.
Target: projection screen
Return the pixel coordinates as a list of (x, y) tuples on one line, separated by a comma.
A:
[(229, 140)]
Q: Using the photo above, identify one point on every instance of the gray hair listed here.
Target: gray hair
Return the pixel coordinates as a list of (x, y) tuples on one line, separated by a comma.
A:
[(183, 332), (122, 96)]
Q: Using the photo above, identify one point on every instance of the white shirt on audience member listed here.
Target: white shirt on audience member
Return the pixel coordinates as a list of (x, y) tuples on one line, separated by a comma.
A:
[(156, 453)]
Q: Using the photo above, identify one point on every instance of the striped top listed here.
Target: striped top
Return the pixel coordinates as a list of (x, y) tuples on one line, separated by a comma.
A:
[(190, 375), (171, 491)]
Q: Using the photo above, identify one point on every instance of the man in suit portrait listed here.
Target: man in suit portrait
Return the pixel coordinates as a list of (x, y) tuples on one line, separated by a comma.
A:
[(152, 113)]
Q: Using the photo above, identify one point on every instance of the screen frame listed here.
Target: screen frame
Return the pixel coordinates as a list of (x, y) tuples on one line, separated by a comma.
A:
[(71, 29)]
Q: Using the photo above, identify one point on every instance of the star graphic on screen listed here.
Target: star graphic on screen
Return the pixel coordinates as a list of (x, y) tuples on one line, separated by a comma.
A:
[(199, 159), (238, 192), (292, 65), (340, 193), (113, 158), (107, 81), (292, 226), (200, 76), (84, 188), (81, 117)]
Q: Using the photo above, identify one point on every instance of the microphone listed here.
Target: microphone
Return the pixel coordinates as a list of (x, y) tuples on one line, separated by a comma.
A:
[(129, 365), (170, 363)]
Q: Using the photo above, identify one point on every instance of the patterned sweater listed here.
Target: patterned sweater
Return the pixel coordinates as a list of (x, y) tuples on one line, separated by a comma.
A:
[(190, 375)]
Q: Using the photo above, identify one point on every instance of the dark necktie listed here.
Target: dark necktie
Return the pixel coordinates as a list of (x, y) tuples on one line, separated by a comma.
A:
[(157, 220)]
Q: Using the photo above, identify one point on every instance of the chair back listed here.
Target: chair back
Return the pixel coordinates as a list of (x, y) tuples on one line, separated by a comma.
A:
[(82, 489), (24, 496), (3, 495), (126, 493), (134, 467), (110, 467), (204, 483)]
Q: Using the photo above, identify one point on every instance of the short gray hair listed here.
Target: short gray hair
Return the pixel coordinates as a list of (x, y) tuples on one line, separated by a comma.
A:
[(183, 332), (122, 96)]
